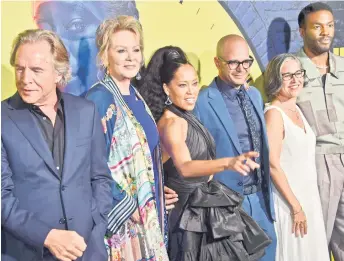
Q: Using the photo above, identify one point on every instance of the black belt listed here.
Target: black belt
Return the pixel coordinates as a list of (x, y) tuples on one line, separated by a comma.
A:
[(251, 189)]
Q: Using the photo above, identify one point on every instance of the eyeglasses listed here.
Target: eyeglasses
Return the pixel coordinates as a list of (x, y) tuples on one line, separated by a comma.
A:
[(298, 74), (234, 64)]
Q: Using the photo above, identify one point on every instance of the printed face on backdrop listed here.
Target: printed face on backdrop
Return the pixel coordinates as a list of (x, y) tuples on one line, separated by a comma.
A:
[(76, 23)]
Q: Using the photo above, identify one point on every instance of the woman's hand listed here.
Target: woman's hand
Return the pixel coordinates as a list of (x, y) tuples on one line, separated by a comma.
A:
[(135, 217), (171, 197), (243, 163), (299, 222)]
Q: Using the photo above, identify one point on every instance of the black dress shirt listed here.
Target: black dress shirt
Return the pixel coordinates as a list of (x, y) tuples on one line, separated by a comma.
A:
[(54, 135)]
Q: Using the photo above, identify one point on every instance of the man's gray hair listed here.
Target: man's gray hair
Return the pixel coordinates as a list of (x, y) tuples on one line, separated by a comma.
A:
[(57, 48)]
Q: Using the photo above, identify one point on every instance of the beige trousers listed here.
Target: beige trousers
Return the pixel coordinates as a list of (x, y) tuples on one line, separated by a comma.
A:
[(330, 169)]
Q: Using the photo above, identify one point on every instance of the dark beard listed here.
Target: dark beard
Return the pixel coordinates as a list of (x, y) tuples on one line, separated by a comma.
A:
[(316, 49)]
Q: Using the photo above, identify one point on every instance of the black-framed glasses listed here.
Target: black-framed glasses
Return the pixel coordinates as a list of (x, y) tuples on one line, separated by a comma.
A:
[(298, 74), (234, 64)]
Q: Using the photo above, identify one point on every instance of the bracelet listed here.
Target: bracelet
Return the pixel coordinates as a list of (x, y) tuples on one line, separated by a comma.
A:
[(297, 212)]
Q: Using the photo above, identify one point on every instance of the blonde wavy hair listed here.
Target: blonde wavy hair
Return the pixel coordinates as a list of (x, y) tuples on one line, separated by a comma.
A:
[(58, 51), (110, 26)]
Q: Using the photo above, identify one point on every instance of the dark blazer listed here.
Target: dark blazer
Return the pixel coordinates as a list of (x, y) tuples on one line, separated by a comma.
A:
[(211, 110), (35, 199)]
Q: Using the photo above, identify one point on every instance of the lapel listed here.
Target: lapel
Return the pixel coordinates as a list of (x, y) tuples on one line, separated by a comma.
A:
[(217, 103), (72, 123), (265, 148), (26, 123), (311, 70)]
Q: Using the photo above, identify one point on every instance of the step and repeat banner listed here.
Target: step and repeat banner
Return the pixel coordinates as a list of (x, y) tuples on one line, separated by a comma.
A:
[(270, 28)]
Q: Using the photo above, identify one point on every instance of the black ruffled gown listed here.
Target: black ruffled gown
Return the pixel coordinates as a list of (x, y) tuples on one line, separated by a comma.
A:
[(207, 223)]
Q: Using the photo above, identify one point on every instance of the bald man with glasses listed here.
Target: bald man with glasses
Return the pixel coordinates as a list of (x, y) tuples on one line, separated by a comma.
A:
[(233, 113)]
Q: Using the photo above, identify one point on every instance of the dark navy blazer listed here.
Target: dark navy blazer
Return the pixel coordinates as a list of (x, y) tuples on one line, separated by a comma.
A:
[(35, 199)]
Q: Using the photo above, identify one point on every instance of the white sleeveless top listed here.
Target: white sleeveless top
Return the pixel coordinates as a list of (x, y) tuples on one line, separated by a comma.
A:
[(297, 160)]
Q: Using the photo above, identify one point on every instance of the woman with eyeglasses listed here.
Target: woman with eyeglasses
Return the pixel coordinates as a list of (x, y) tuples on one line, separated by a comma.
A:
[(207, 222), (299, 222)]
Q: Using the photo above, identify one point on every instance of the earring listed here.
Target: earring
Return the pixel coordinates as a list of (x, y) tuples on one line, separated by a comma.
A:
[(168, 101), (138, 76)]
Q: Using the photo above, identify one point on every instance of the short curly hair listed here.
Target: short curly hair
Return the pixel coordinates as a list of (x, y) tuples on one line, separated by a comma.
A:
[(311, 8)]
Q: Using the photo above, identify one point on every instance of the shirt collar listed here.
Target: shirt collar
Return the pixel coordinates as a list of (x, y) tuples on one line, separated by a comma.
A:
[(29, 106), (108, 78), (60, 100), (227, 89), (312, 71)]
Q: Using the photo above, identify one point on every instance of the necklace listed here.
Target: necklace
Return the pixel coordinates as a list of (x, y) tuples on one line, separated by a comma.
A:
[(296, 113), (291, 110)]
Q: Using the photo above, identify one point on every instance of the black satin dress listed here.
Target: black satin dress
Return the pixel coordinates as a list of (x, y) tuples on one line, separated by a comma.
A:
[(207, 223)]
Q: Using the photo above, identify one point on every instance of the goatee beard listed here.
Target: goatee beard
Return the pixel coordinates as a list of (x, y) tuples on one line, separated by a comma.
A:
[(317, 49)]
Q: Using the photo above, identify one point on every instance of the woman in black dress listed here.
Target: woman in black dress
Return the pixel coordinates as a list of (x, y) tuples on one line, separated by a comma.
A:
[(207, 222)]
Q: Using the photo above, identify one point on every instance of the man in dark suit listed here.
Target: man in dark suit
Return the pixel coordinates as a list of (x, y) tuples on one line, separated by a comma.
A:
[(233, 113), (55, 183)]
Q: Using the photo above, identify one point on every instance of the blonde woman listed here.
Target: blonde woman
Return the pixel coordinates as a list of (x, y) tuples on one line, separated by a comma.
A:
[(136, 227)]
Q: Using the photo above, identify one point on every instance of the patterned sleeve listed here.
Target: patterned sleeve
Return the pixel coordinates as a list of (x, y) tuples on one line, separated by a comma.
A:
[(103, 100), (123, 204)]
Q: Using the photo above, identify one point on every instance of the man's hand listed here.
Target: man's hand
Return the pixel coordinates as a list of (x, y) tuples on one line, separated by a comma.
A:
[(171, 197), (65, 245)]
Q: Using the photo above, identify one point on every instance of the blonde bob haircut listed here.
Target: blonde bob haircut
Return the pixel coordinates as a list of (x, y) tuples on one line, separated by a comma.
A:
[(111, 26), (57, 49)]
